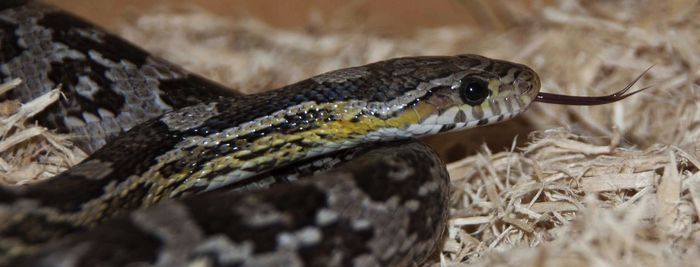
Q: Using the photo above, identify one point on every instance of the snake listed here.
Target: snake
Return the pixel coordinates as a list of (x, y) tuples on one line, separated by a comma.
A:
[(183, 171)]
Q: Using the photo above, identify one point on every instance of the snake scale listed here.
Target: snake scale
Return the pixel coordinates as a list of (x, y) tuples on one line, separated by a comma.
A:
[(184, 172)]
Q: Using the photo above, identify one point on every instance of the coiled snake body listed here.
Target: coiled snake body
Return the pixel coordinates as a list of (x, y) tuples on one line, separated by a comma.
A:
[(185, 172)]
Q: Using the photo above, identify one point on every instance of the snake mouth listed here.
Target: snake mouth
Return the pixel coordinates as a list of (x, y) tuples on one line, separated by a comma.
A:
[(450, 121)]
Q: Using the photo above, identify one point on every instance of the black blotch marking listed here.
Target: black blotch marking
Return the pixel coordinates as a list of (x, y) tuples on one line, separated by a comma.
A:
[(482, 122), (378, 188), (68, 73), (213, 214), (113, 48), (192, 89), (345, 241)]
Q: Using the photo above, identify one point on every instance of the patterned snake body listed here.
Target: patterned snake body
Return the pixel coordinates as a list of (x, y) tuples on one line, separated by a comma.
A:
[(217, 163)]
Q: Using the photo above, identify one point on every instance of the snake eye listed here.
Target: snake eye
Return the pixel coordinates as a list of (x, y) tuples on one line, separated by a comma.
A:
[(474, 92)]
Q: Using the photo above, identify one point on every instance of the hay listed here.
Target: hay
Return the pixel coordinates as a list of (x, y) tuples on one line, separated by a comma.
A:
[(618, 186)]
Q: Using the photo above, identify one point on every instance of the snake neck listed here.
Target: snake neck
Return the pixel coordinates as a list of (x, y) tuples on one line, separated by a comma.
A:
[(300, 132)]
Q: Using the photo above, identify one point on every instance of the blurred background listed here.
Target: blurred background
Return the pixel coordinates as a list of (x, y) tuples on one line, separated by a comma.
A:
[(382, 16)]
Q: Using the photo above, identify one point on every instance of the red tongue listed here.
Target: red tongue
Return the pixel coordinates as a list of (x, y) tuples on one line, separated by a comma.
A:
[(591, 100)]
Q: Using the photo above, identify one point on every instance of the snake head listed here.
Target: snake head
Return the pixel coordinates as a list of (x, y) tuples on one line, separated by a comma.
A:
[(483, 91), (479, 91)]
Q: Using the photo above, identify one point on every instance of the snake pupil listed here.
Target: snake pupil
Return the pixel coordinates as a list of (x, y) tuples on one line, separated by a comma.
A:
[(474, 92)]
